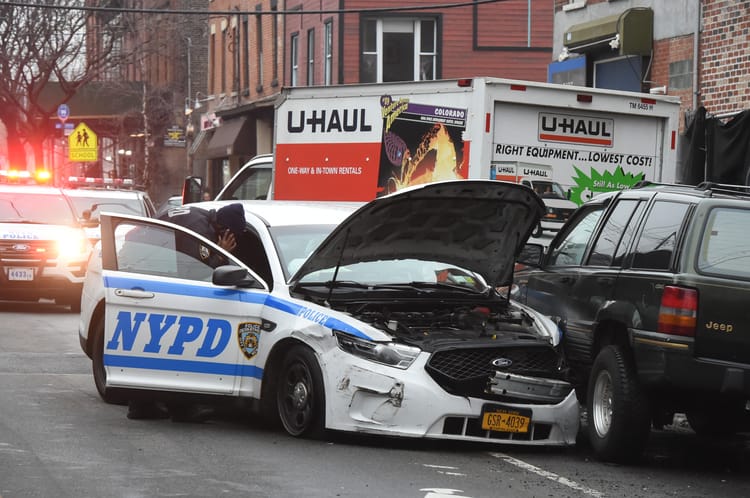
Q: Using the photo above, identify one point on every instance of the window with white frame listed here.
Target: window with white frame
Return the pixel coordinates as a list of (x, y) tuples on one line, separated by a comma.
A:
[(328, 53), (310, 56), (398, 49), (294, 56)]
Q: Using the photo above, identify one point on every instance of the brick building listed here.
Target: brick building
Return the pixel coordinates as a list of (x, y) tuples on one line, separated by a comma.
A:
[(255, 49)]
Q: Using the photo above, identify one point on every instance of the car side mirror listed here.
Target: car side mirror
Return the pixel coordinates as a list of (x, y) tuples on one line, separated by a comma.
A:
[(233, 276), (531, 255)]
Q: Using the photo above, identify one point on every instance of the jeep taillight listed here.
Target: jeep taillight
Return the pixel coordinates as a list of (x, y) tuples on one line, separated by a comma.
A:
[(678, 311)]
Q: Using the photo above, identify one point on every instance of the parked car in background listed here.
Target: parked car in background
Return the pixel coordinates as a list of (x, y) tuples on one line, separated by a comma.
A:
[(43, 247), (90, 197), (652, 287), (382, 319)]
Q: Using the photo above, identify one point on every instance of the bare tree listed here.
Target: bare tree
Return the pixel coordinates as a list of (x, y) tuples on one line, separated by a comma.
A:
[(40, 45)]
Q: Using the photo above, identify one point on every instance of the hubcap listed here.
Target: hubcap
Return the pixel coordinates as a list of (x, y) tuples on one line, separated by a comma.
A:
[(602, 404), (299, 395)]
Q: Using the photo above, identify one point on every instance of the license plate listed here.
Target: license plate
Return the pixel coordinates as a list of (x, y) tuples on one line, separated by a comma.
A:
[(504, 419), (16, 273)]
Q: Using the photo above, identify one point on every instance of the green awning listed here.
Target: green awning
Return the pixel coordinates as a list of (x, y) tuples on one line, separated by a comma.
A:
[(635, 28)]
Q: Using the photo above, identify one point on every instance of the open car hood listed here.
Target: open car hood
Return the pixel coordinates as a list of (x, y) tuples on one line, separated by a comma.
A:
[(478, 225)]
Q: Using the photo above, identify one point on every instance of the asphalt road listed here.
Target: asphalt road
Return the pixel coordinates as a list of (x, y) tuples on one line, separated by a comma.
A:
[(58, 439)]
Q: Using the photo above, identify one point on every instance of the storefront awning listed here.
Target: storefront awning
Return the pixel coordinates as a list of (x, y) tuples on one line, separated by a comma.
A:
[(630, 32), (233, 137)]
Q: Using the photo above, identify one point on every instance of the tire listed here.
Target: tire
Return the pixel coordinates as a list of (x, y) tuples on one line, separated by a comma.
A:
[(300, 396), (108, 394), (619, 420), (537, 231)]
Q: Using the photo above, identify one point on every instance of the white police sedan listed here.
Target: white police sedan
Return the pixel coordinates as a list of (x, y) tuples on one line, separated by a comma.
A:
[(389, 321)]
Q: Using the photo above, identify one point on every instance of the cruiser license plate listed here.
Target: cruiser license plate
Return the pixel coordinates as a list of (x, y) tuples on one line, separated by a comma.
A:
[(505, 419), (19, 273)]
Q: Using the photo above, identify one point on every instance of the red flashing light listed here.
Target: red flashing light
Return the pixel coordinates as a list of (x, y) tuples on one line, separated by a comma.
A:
[(42, 176), (464, 83), (518, 88)]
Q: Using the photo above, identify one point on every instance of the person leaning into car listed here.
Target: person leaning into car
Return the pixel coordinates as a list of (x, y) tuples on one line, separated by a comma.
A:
[(224, 227)]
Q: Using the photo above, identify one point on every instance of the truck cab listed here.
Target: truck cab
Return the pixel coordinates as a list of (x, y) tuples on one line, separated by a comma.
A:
[(254, 181), (558, 206)]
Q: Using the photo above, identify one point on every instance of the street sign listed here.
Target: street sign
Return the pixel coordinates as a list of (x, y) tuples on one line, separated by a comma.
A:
[(63, 112), (82, 144)]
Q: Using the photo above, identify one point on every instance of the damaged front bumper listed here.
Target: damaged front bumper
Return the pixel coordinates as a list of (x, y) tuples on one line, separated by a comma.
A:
[(370, 398)]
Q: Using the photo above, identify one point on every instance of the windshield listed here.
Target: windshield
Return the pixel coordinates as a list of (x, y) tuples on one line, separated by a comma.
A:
[(295, 244), (410, 272), (132, 206), (49, 209), (549, 190)]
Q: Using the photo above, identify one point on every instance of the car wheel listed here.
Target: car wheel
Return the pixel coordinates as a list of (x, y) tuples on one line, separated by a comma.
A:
[(537, 231), (618, 413), (108, 394), (300, 399)]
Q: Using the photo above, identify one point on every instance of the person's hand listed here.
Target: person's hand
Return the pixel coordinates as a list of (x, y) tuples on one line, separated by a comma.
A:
[(227, 240)]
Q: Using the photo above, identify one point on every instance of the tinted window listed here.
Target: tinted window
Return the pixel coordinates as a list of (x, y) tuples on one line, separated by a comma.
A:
[(725, 247), (659, 235), (569, 251), (612, 233), (160, 251)]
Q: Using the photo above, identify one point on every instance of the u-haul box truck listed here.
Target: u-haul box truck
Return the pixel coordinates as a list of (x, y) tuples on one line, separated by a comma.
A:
[(358, 142)]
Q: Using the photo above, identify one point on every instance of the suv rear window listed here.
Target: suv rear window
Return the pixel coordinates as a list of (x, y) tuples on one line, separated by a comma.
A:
[(725, 247)]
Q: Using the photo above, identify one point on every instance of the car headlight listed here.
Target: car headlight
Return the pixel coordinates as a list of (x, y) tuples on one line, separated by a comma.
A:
[(387, 353), (75, 247)]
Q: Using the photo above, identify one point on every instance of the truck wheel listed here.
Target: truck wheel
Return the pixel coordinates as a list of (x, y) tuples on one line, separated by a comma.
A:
[(537, 231), (618, 413), (108, 394), (300, 397)]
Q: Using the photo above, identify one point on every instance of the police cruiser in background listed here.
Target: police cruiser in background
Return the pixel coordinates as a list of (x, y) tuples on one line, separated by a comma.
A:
[(43, 247), (395, 324)]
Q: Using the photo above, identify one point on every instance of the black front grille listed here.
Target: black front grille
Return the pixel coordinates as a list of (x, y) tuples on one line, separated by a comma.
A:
[(466, 372), (27, 250), (464, 364)]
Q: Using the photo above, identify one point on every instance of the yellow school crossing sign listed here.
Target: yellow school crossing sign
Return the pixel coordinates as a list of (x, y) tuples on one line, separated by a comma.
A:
[(82, 145)]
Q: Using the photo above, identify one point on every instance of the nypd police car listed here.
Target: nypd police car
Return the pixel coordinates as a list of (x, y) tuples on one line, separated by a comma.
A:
[(43, 247), (388, 318)]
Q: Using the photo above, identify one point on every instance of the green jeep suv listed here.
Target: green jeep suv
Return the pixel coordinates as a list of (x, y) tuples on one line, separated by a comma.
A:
[(652, 289)]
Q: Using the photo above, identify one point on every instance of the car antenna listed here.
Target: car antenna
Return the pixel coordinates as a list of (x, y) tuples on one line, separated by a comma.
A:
[(338, 265)]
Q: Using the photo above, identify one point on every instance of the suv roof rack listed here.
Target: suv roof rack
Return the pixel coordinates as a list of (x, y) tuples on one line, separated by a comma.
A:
[(725, 188), (649, 183)]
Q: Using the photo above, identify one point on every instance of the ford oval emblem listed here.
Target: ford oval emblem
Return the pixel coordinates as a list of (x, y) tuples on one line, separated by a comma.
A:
[(502, 362), (21, 247)]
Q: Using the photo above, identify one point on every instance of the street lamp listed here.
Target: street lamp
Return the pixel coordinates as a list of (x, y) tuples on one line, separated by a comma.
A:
[(196, 103)]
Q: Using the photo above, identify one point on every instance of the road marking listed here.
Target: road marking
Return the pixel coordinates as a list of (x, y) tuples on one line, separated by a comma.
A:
[(443, 493), (441, 469), (548, 475)]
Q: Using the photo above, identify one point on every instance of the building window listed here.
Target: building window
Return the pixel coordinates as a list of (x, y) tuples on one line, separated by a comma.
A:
[(328, 53), (398, 49), (259, 43), (224, 53), (681, 74), (294, 58), (245, 53), (310, 56)]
